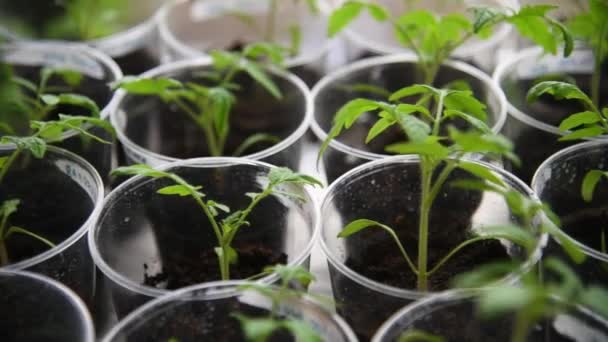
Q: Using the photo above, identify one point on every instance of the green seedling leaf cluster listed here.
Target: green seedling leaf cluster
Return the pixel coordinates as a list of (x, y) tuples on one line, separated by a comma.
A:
[(209, 106), (226, 222), (33, 103), (559, 290), (440, 154), (433, 39), (591, 122), (592, 28), (261, 329), (88, 19)]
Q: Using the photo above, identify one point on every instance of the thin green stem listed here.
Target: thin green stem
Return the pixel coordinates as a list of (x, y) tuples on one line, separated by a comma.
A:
[(438, 113), (521, 327), (204, 125), (271, 21), (224, 266), (596, 76), (7, 164), (456, 250), (423, 228)]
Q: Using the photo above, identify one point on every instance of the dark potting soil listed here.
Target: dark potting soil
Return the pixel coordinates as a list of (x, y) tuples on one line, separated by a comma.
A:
[(137, 62), (184, 270), (391, 269), (52, 206), (211, 321)]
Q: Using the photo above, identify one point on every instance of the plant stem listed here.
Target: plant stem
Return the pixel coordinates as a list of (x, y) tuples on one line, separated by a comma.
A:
[(271, 21), (224, 268), (7, 165), (423, 228), (205, 125), (3, 253), (596, 76), (520, 330)]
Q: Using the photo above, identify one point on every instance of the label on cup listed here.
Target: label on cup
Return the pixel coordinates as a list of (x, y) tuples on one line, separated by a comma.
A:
[(58, 59), (79, 175)]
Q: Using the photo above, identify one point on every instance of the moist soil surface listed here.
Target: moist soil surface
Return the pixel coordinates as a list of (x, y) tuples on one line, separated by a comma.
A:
[(184, 270), (393, 270)]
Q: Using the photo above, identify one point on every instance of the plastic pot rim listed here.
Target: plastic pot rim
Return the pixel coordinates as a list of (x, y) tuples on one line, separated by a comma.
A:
[(167, 37), (412, 309), (564, 153), (205, 162), (412, 294), (228, 289), (120, 95), (398, 59), (75, 301), (84, 227)]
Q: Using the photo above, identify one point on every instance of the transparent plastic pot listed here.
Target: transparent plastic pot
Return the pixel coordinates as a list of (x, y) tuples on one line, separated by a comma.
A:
[(388, 191), (368, 37), (134, 47), (453, 316), (533, 128), (190, 29), (141, 234), (204, 313), (155, 133), (27, 59), (391, 73), (558, 182), (60, 198), (37, 308)]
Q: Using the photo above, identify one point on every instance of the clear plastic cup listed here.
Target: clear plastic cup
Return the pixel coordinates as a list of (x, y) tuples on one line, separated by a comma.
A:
[(37, 308), (533, 128), (190, 29), (28, 58), (154, 133), (204, 313), (452, 315), (141, 234), (369, 277), (391, 73), (558, 182), (60, 198)]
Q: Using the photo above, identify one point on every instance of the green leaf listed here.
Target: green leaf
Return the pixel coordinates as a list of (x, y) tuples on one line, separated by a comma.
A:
[(291, 273), (417, 89), (295, 39), (484, 17), (80, 101), (275, 53), (9, 207), (590, 182), (220, 103), (429, 147), (414, 335), (512, 233), (380, 126), (486, 274), (177, 189), (573, 251), (560, 90), (474, 142), (35, 145), (49, 99), (139, 169), (596, 298), (280, 175), (18, 230), (377, 12), (473, 121), (342, 16), (147, 86), (589, 132), (579, 119), (358, 225), (530, 22), (69, 76), (258, 74), (567, 38), (257, 329), (302, 331), (416, 130), (465, 102), (504, 299), (481, 172), (254, 139), (231, 254)]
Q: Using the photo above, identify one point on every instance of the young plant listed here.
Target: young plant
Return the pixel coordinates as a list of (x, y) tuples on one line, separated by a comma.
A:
[(25, 100), (44, 133), (437, 161), (209, 106), (261, 329), (227, 228), (591, 122), (592, 28), (433, 39), (87, 19), (536, 297)]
